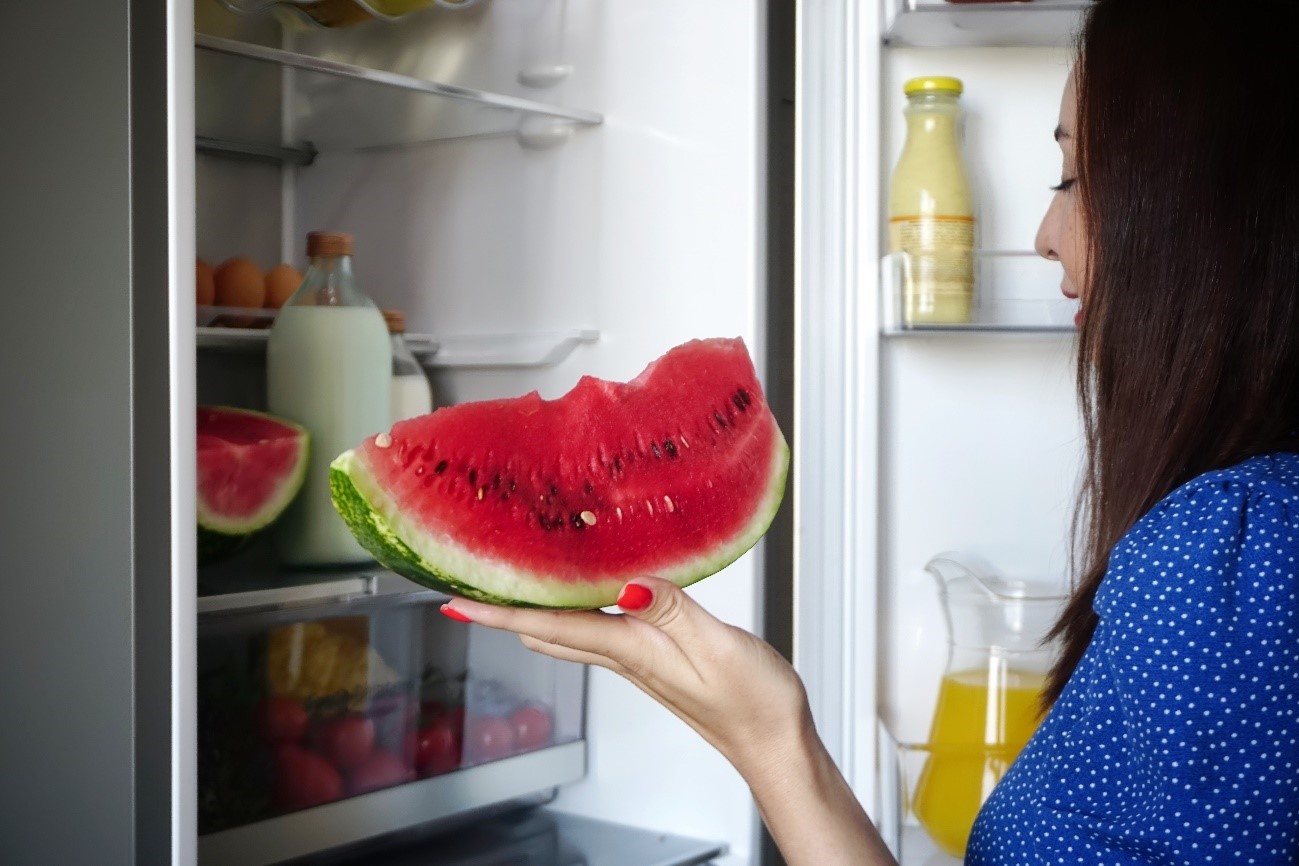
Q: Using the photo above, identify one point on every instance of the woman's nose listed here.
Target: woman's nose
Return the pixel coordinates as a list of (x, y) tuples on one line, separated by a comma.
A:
[(1045, 242)]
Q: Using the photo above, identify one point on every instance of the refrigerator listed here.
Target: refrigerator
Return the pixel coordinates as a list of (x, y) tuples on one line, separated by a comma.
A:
[(547, 188)]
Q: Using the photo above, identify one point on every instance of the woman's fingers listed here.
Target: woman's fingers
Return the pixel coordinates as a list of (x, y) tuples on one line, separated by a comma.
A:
[(568, 654), (661, 626)]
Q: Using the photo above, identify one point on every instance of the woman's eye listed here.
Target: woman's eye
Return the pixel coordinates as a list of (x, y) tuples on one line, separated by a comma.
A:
[(1064, 185)]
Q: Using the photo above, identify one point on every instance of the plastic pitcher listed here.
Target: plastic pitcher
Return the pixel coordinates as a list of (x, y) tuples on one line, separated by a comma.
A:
[(988, 699)]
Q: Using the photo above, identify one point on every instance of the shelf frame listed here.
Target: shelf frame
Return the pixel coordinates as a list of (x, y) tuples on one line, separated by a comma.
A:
[(536, 118), (468, 351)]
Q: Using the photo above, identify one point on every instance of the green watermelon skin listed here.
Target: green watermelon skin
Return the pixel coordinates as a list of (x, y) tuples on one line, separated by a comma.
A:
[(382, 537), (483, 500)]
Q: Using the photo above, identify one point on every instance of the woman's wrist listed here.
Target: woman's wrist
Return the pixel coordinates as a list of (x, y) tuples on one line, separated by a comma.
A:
[(809, 808), (787, 748)]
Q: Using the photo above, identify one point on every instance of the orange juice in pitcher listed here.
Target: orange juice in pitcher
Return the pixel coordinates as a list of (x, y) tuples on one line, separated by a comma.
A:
[(987, 705), (980, 725)]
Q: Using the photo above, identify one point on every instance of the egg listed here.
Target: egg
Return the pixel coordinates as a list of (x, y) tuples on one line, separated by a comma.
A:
[(281, 282), (204, 285), (239, 283)]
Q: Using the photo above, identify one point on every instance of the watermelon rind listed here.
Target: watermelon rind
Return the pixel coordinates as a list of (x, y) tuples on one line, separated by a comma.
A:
[(219, 535), (445, 565)]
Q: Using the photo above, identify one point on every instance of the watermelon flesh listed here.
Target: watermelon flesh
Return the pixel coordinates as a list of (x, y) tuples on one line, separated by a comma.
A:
[(557, 503), (250, 466)]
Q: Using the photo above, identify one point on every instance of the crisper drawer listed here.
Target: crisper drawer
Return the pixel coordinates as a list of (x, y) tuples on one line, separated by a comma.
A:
[(348, 707)]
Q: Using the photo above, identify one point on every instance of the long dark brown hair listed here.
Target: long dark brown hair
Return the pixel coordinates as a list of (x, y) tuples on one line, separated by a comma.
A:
[(1188, 175)]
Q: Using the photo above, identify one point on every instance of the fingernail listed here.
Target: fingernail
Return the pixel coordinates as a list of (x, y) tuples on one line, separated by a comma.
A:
[(454, 614), (635, 597)]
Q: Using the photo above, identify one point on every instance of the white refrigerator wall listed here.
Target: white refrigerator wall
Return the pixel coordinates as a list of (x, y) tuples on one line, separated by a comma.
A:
[(646, 228), (979, 433)]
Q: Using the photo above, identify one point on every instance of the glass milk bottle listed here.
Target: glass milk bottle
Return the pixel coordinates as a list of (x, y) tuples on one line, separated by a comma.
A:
[(412, 393), (931, 216), (328, 367)]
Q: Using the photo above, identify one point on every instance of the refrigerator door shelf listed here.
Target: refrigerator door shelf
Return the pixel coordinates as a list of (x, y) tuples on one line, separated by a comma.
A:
[(1014, 292), (942, 24), (344, 107)]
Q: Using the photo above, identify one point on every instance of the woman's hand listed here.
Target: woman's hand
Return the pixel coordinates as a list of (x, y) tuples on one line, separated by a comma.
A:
[(732, 688), (735, 690)]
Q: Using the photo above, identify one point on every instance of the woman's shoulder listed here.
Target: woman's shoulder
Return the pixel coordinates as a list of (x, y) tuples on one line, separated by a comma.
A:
[(1269, 481), (1238, 522)]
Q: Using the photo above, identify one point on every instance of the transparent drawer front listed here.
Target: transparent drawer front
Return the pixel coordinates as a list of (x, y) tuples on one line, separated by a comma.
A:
[(295, 714)]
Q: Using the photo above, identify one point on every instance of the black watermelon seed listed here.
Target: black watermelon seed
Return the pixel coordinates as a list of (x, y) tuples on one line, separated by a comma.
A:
[(473, 476), (617, 465), (654, 446), (440, 468), (739, 402), (577, 521), (744, 395), (721, 422), (590, 488), (670, 447), (554, 491)]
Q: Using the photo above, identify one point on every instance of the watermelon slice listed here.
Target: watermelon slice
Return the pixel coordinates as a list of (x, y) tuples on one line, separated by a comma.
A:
[(250, 466), (557, 503)]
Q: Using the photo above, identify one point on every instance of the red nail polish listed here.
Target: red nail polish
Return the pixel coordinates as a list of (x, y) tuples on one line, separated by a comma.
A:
[(635, 597), (454, 614)]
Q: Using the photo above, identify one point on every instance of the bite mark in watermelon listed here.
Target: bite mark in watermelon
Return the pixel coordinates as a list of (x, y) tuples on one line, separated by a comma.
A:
[(557, 503), (250, 466)]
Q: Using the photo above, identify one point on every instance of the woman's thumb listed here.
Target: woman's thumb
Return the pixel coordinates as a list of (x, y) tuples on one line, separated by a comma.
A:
[(660, 603)]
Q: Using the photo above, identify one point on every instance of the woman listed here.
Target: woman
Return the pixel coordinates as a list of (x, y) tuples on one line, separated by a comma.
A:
[(1173, 729)]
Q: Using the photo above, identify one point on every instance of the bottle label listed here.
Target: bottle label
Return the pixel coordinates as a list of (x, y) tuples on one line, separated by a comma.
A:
[(924, 234), (938, 270)]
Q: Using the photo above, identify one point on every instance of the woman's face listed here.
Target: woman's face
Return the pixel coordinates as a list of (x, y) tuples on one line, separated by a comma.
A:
[(1062, 236)]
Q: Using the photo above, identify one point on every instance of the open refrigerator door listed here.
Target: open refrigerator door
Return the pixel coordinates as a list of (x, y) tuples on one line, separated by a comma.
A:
[(960, 437)]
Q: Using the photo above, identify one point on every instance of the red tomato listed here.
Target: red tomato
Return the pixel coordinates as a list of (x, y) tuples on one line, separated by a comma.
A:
[(380, 770), (488, 738), (281, 719), (437, 747), (347, 741), (304, 779), (532, 726)]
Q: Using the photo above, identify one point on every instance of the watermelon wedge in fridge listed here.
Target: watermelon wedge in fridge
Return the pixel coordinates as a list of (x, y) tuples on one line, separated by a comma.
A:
[(250, 466)]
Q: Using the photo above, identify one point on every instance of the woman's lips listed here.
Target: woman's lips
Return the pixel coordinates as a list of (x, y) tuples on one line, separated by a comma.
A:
[(1073, 296)]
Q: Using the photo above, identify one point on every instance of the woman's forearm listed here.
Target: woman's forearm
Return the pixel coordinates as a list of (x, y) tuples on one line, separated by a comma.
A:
[(811, 813)]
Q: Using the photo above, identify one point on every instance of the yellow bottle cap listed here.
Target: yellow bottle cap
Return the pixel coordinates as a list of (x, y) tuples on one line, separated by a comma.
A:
[(933, 83)]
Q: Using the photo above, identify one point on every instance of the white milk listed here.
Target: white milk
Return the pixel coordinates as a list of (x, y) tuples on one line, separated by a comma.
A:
[(411, 396), (328, 369)]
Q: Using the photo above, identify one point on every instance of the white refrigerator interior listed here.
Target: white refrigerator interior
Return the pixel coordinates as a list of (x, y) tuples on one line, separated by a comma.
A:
[(618, 240)]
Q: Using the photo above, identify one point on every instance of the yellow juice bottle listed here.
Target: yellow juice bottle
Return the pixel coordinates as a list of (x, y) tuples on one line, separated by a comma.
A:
[(983, 719)]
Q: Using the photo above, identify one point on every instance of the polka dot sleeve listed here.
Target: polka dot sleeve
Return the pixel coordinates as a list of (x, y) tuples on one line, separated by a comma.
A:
[(1176, 740)]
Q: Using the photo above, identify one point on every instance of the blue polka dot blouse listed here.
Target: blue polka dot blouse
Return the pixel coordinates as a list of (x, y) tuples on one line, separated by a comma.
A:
[(1177, 738)]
